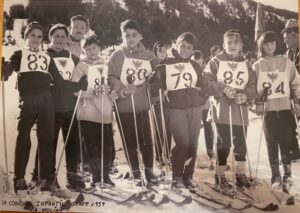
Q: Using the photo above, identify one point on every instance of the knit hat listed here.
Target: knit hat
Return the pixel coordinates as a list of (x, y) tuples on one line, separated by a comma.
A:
[(31, 26), (129, 24), (58, 26)]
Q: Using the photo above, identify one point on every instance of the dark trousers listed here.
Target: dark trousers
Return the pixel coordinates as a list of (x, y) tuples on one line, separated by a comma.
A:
[(278, 133), (39, 109), (208, 131), (294, 142), (92, 135), (159, 145), (185, 126), (63, 121), (224, 143), (144, 134)]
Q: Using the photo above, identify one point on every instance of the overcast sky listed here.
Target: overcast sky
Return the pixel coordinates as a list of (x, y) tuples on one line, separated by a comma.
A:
[(284, 4)]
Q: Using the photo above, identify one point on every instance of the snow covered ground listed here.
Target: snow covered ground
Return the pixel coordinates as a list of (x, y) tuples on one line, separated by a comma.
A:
[(11, 114)]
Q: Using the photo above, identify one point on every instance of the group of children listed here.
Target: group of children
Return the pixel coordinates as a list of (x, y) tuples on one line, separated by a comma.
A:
[(134, 80)]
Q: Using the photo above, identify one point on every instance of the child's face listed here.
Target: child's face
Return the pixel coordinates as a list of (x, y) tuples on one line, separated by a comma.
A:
[(92, 51), (131, 37), (269, 48), (162, 53), (78, 29), (291, 40), (233, 45), (185, 49), (58, 39), (34, 38)]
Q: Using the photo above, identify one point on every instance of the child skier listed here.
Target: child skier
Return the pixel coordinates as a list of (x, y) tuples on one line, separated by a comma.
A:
[(35, 70), (132, 61), (64, 102), (181, 77), (230, 79), (279, 74), (95, 110)]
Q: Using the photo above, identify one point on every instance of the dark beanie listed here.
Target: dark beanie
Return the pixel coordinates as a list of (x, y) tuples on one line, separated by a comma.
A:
[(129, 24), (31, 26)]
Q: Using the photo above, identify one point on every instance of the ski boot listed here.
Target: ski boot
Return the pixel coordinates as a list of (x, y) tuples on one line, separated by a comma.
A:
[(150, 177), (75, 182), (20, 184), (177, 183), (109, 182), (242, 181), (221, 183), (189, 182), (276, 183), (33, 183)]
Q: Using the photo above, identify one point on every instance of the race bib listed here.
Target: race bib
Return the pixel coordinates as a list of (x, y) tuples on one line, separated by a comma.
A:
[(97, 74), (234, 74), (65, 67), (34, 61), (138, 70), (180, 76), (277, 82)]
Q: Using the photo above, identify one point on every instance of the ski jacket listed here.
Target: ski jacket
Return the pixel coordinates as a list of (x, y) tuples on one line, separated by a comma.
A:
[(137, 63), (36, 72), (280, 74), (182, 79), (65, 62), (90, 104), (223, 70)]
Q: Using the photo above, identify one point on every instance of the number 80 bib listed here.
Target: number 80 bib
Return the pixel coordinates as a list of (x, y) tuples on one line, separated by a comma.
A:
[(234, 74)]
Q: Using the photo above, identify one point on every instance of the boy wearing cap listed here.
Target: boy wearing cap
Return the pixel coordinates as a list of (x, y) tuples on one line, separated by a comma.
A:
[(291, 39), (232, 82), (64, 103), (132, 61), (181, 77), (36, 70)]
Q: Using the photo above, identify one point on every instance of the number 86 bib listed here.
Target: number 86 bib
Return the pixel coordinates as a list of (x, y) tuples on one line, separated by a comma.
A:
[(234, 74), (34, 61)]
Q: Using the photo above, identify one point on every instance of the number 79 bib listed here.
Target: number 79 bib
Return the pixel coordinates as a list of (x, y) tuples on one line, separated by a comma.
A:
[(234, 74)]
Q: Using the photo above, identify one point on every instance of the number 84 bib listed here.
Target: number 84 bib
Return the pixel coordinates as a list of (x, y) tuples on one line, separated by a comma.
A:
[(234, 74)]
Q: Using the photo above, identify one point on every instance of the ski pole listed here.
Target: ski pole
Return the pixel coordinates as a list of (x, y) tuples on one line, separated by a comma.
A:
[(80, 146), (130, 81), (102, 134), (68, 135), (245, 137), (231, 142), (264, 98), (6, 179)]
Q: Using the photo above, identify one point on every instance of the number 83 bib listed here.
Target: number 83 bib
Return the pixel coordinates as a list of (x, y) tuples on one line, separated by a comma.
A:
[(34, 61), (180, 76), (233, 74)]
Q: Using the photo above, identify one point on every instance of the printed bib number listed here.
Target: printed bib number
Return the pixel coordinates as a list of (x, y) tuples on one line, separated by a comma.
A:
[(138, 70), (276, 82), (65, 66), (180, 76), (95, 74), (234, 74), (32, 62)]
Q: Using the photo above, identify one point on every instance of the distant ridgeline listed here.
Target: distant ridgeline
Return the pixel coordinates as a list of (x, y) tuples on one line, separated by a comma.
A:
[(159, 19)]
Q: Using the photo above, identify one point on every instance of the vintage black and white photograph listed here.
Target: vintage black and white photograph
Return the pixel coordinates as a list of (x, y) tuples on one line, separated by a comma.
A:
[(150, 106)]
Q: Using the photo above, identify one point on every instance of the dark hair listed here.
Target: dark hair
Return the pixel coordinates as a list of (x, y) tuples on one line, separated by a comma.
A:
[(198, 54), (129, 24), (157, 46), (81, 18), (292, 30), (233, 32), (268, 36), (33, 25), (213, 49), (58, 26), (90, 40), (188, 37)]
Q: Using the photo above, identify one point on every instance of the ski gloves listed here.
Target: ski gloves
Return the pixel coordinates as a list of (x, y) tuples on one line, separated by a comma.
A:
[(231, 93), (130, 89), (82, 84)]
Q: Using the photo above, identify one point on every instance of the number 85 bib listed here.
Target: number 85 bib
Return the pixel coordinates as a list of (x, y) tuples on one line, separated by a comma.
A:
[(234, 74), (34, 61)]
